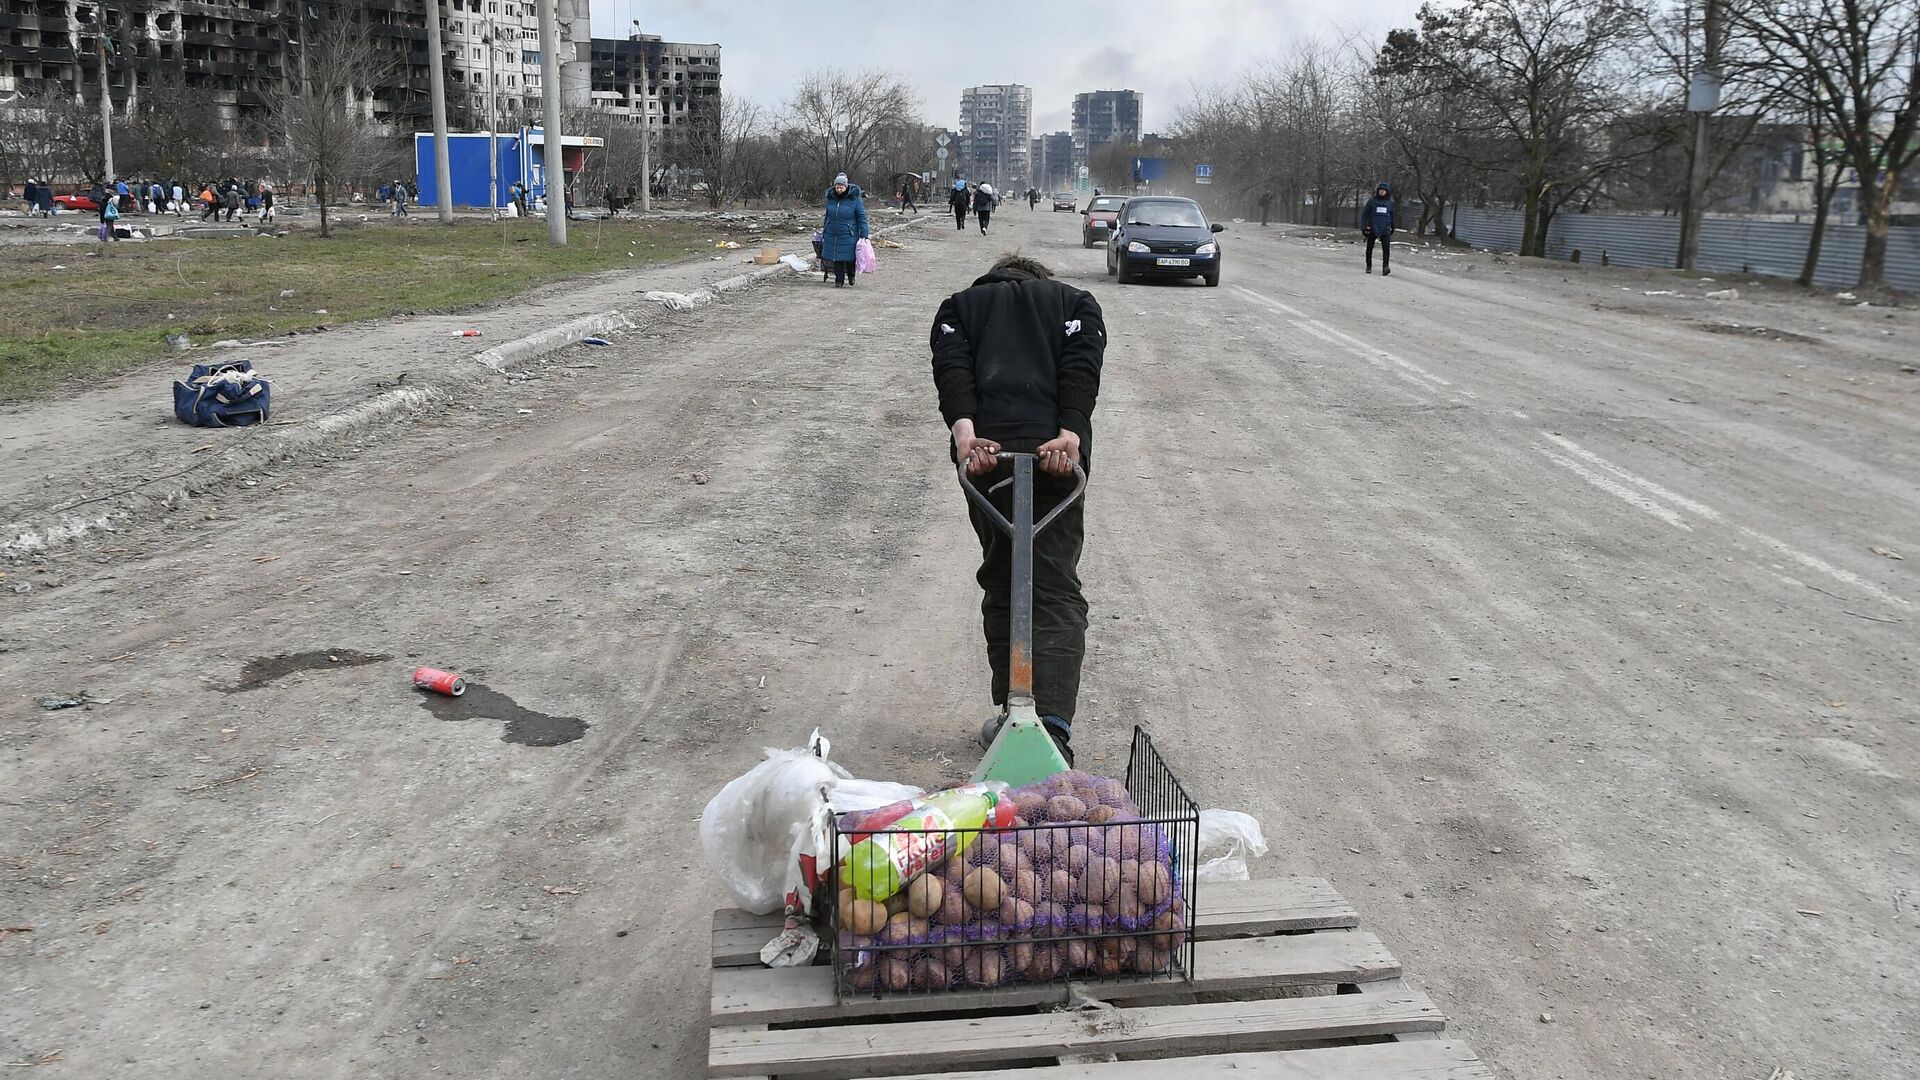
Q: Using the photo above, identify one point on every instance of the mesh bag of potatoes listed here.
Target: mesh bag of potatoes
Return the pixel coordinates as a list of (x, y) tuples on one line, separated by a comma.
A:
[(1078, 887)]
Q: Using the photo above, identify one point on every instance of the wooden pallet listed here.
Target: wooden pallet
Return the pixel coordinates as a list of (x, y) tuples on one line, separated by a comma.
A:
[(1254, 940)]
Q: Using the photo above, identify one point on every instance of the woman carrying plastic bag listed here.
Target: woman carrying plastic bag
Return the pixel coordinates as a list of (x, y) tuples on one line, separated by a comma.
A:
[(863, 260)]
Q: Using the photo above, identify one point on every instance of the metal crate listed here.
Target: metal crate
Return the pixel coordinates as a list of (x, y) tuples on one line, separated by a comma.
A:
[(1127, 914)]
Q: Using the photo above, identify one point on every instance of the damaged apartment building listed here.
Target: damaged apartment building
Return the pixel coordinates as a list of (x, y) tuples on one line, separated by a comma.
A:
[(231, 56)]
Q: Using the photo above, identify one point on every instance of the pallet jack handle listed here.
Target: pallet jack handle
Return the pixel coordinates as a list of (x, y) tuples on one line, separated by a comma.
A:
[(1022, 529)]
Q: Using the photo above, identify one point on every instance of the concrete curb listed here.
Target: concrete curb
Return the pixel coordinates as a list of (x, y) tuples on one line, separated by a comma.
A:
[(264, 447), (553, 338)]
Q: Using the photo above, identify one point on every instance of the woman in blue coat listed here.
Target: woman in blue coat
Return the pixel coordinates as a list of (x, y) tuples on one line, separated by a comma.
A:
[(844, 227)]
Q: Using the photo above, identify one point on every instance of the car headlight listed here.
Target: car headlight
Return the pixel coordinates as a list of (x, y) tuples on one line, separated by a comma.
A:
[(1138, 248), (1206, 249)]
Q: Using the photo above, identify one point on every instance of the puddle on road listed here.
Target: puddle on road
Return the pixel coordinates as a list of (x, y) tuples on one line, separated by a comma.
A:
[(523, 725), (262, 670)]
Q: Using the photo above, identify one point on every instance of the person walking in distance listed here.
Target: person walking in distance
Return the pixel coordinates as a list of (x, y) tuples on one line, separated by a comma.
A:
[(1016, 362), (1266, 207), (983, 206), (906, 197), (957, 199), (266, 204), (842, 229), (1376, 221)]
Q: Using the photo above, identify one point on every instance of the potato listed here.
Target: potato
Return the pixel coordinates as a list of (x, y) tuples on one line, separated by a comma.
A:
[(1049, 917), (1112, 956), (861, 974), (1149, 960), (1100, 815), (1047, 846), (1111, 792), (984, 967), (1045, 964), (1019, 958), (1125, 906), (1030, 804), (1155, 883), (865, 916), (846, 901), (904, 928), (984, 889), (896, 973), (1078, 856), (930, 973), (1016, 912), (1102, 880), (953, 906), (1066, 808), (1059, 886), (924, 895), (1173, 934), (1078, 955)]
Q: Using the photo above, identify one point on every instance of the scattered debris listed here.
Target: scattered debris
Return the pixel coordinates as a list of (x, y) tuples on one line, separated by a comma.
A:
[(286, 294), (1888, 553), (673, 301), (466, 333), (1546, 1018), (1843, 296), (600, 341), (54, 704), (439, 682), (524, 412), (1659, 292), (248, 775), (563, 890), (178, 343), (1724, 294), (701, 478), (1809, 912)]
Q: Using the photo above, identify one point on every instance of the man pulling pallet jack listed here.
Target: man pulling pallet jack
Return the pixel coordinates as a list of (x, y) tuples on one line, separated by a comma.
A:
[(1016, 360)]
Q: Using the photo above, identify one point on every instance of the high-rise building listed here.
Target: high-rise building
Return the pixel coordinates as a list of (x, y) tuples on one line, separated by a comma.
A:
[(676, 85), (995, 129), (1101, 117), (1053, 164)]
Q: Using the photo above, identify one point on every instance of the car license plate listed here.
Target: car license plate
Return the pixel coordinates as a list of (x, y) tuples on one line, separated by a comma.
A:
[(1099, 224), (1173, 262)]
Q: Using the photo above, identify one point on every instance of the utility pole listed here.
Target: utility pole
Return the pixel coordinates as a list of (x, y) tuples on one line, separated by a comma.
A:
[(106, 98), (646, 122), (493, 141), (553, 155), (437, 89), (1703, 97)]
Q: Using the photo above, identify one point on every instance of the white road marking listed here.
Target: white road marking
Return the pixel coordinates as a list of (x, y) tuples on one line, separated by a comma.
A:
[(1584, 463), (1616, 489), (1640, 482), (1816, 563)]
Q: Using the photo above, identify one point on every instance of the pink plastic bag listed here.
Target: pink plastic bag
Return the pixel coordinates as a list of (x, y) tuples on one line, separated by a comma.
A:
[(863, 260)]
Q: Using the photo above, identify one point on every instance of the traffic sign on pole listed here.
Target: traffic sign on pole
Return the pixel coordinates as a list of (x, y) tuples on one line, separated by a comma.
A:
[(1203, 174)]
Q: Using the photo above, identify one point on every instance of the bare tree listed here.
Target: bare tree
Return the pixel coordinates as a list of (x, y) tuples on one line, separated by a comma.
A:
[(48, 135), (1541, 80), (721, 145), (325, 118), (844, 119), (1857, 64)]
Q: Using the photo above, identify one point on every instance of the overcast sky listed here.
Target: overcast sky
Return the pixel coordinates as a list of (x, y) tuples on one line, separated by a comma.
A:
[(1058, 47)]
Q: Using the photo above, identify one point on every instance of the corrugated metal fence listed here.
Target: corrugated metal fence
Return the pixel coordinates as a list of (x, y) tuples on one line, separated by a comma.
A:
[(1771, 248)]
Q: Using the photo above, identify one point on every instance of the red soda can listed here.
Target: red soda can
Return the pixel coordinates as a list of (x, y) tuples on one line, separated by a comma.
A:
[(440, 682)]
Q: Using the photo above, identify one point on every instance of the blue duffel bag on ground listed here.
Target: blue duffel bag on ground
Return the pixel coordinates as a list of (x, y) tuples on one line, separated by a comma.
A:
[(228, 394)]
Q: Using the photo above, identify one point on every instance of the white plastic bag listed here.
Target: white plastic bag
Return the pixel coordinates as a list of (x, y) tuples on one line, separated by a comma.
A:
[(1239, 833), (757, 827)]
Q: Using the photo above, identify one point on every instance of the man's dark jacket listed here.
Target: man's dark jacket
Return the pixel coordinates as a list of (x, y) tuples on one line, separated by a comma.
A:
[(1377, 218), (1020, 356)]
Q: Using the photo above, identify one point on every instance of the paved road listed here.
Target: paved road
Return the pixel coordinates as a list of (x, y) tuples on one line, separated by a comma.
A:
[(1540, 614)]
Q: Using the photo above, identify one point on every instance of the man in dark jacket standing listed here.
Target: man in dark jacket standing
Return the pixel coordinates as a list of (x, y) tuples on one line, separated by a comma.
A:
[(1016, 360), (1376, 221)]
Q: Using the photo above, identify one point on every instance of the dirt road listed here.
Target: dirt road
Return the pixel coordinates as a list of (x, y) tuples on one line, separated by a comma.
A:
[(1542, 615)]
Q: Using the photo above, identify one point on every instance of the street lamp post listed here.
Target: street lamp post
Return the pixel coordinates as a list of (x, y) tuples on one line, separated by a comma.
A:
[(493, 149), (552, 152)]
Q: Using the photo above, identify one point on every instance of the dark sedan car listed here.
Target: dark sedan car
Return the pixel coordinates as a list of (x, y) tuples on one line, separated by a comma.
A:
[(1063, 200), (1162, 236), (1102, 214)]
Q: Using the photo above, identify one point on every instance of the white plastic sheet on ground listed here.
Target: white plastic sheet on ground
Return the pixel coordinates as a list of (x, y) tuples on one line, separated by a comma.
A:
[(1237, 832), (757, 827)]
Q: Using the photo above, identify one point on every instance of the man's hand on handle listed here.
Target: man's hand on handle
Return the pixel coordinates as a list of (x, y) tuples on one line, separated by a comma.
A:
[(1060, 454), (977, 453)]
